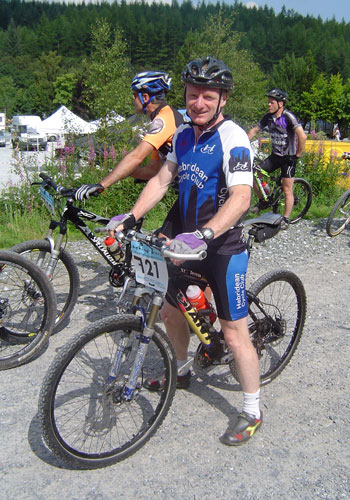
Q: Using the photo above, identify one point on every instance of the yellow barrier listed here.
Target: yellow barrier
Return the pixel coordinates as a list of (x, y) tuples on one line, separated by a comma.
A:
[(329, 149)]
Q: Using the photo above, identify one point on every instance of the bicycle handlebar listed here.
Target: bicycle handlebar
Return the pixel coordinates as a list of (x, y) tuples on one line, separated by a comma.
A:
[(132, 235), (66, 192)]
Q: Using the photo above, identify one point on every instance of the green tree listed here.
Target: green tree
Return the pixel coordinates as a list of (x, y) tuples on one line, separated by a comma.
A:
[(7, 94), (45, 76), (108, 73), (295, 75), (326, 100), (64, 87)]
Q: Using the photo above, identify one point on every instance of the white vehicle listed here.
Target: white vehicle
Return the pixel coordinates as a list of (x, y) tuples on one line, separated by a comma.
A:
[(2, 121), (26, 133)]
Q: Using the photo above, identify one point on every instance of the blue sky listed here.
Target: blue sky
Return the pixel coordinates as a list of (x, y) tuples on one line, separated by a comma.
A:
[(324, 8)]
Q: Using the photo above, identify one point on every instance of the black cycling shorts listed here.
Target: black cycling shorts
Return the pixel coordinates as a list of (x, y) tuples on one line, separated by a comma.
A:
[(287, 164)]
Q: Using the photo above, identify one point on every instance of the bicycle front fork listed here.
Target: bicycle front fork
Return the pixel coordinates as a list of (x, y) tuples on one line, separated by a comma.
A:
[(144, 340)]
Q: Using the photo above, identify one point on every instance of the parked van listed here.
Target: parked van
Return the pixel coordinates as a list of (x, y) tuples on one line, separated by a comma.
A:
[(25, 133)]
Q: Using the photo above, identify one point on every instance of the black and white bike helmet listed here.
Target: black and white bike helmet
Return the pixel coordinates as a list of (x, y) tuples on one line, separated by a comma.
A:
[(208, 72), (278, 94)]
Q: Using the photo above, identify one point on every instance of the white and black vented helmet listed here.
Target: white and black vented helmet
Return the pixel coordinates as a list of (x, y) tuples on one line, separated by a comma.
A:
[(278, 94), (208, 72)]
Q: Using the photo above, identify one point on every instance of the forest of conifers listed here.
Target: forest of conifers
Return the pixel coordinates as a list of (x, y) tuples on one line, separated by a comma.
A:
[(50, 52)]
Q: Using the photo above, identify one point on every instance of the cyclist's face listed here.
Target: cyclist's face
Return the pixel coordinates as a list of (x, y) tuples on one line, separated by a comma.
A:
[(274, 105), (138, 104), (202, 103)]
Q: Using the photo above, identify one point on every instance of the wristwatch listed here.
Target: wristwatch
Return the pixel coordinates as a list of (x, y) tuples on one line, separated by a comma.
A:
[(208, 234)]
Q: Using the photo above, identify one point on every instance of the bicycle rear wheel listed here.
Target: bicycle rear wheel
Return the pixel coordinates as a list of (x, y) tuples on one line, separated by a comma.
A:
[(65, 278), (84, 418), (339, 217), (27, 310), (302, 201), (277, 311)]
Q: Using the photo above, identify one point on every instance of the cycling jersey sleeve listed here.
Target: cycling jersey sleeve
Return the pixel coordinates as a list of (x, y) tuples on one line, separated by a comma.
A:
[(238, 156), (161, 129)]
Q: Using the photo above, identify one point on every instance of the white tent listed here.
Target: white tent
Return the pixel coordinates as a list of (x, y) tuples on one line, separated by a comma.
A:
[(64, 121)]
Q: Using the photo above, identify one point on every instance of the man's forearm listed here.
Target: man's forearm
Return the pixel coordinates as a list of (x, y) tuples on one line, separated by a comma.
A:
[(123, 169), (128, 164), (149, 197)]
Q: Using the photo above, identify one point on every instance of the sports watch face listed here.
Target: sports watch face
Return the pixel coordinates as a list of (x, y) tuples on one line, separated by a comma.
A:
[(207, 233)]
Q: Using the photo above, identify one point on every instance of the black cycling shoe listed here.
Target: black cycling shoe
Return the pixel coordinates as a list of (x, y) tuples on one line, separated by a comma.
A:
[(183, 382), (244, 428)]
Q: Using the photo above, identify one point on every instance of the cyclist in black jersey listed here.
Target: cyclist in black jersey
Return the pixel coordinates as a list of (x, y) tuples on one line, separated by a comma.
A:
[(213, 159), (284, 129)]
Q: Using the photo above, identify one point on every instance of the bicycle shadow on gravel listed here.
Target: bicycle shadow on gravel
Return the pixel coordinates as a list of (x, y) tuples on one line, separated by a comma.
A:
[(213, 398), (39, 449)]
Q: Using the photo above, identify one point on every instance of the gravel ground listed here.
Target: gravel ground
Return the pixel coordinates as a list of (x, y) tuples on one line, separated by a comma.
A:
[(302, 450)]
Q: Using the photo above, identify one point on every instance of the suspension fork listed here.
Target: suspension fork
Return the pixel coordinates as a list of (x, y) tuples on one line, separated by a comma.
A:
[(55, 248), (144, 340)]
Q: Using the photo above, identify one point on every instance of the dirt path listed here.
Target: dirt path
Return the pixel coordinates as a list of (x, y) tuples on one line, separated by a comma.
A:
[(302, 450)]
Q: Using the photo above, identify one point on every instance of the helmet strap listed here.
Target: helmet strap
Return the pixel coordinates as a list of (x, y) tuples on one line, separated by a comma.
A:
[(145, 104)]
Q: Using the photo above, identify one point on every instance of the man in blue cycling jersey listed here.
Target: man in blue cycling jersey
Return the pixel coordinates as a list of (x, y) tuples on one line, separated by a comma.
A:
[(212, 157), (284, 129)]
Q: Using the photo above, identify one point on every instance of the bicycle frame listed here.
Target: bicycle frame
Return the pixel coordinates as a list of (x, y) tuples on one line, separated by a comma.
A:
[(277, 188), (119, 263), (211, 341)]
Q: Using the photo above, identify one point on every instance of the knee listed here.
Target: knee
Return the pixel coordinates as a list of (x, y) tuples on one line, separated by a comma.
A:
[(170, 315)]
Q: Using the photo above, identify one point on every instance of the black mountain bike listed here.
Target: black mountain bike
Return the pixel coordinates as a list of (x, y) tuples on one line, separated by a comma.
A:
[(275, 198), (27, 310), (51, 256), (93, 406)]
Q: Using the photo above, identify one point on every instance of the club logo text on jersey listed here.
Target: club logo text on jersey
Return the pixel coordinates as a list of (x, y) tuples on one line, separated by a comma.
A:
[(191, 171), (240, 160), (208, 149)]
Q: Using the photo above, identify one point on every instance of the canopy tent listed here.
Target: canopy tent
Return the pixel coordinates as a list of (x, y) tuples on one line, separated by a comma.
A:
[(63, 121)]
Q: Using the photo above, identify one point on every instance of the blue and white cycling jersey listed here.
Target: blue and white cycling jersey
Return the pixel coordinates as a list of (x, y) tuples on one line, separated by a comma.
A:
[(220, 159)]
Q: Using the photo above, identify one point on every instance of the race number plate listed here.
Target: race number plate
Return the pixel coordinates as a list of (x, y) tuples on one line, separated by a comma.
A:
[(150, 266), (48, 200)]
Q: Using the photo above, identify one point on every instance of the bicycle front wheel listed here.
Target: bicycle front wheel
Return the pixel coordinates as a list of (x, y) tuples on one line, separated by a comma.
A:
[(302, 201), (27, 310), (339, 217), (277, 310), (86, 421), (65, 277)]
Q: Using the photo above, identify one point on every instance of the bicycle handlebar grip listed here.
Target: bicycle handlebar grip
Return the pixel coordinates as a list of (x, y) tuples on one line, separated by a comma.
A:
[(48, 179), (184, 256)]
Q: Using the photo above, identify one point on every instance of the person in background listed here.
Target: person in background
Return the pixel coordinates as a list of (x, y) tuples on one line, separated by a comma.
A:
[(288, 142), (149, 89)]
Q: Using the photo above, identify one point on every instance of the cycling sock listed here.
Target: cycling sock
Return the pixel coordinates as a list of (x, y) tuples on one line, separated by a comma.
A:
[(251, 404), (180, 364)]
